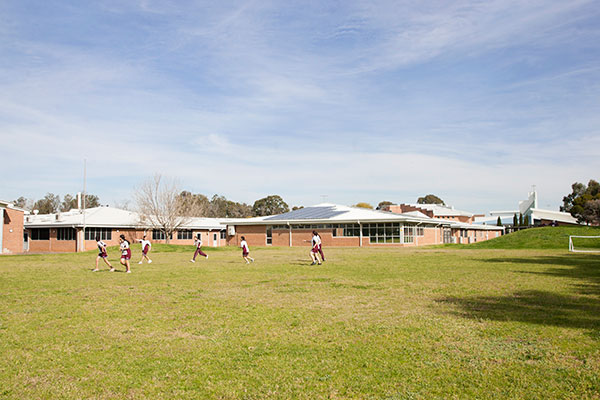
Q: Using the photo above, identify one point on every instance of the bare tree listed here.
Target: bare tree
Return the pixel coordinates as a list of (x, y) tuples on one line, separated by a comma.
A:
[(160, 205)]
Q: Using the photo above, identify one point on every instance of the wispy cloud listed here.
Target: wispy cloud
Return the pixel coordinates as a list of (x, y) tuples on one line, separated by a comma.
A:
[(474, 101)]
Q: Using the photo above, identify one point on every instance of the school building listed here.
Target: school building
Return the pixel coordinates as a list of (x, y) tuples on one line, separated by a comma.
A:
[(351, 226), (434, 211), (76, 230), (11, 233)]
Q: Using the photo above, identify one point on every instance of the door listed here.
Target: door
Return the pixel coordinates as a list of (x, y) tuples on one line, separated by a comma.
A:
[(25, 241), (447, 235), (215, 243)]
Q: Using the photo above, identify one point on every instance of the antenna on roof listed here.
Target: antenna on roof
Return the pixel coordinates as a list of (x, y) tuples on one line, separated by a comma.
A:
[(84, 196)]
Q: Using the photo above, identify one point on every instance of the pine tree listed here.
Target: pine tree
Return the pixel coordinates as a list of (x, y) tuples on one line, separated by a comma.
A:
[(499, 222)]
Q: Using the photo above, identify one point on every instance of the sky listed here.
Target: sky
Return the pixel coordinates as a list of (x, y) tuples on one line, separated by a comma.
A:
[(336, 101)]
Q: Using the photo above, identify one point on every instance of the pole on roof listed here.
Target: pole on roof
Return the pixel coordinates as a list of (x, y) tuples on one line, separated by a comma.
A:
[(84, 176)]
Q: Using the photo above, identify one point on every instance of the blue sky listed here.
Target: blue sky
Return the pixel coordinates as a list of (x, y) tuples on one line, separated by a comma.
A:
[(474, 101)]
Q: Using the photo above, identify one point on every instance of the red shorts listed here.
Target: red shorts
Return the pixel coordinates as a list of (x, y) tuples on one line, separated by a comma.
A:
[(315, 249), (103, 255), (126, 255), (245, 253), (145, 250)]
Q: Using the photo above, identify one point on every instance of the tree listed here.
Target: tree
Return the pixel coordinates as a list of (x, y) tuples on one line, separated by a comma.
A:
[(70, 202), (220, 207), (363, 205), (515, 220), (50, 204), (499, 222), (160, 205), (520, 219), (576, 203), (430, 199), (194, 205), (383, 204), (297, 208), (270, 205), (526, 221), (23, 202), (591, 212)]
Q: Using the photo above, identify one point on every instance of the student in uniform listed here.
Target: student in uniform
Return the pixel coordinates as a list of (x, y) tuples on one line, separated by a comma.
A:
[(125, 253), (102, 254), (321, 247), (314, 251), (246, 251), (146, 245), (198, 244)]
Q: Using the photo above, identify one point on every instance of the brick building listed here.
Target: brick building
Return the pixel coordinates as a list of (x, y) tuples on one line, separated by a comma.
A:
[(349, 226), (11, 234), (64, 232)]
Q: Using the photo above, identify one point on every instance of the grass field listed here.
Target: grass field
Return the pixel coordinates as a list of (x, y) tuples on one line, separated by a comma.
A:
[(437, 323)]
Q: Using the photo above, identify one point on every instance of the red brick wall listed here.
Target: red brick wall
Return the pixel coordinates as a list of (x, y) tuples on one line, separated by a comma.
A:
[(256, 235), (12, 231), (53, 245)]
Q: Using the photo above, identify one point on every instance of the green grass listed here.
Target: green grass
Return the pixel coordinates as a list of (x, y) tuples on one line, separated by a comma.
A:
[(433, 323), (536, 238)]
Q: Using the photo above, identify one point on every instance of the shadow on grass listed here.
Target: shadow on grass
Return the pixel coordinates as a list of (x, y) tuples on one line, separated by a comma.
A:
[(585, 268), (581, 310), (532, 306)]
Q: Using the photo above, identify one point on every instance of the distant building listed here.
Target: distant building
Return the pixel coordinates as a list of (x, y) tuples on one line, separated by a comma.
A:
[(433, 211), (64, 232), (537, 216), (351, 226), (11, 233)]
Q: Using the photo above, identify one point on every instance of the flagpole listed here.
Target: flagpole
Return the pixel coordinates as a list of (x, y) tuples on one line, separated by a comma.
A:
[(84, 196)]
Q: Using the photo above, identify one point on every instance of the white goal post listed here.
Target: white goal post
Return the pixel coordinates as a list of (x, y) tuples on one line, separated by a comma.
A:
[(584, 249)]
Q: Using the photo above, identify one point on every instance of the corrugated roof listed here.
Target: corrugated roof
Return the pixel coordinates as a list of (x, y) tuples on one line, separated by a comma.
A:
[(317, 212), (439, 210), (108, 217)]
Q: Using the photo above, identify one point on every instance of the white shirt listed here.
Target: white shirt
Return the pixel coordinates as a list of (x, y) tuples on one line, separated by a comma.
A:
[(198, 242), (316, 240), (244, 246), (124, 247), (101, 246), (144, 243)]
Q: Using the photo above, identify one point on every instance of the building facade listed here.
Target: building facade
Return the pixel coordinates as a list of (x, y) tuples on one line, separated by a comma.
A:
[(76, 230), (348, 226), (11, 234)]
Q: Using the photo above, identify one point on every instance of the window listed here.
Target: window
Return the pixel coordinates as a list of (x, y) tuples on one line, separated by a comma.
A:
[(223, 234), (40, 234), (104, 233), (384, 233), (157, 234), (351, 230), (65, 234), (269, 235), (185, 234), (420, 231)]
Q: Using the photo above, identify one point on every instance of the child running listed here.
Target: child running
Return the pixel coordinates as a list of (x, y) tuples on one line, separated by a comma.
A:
[(146, 245), (321, 247), (125, 253), (102, 254), (314, 251), (246, 251), (198, 244)]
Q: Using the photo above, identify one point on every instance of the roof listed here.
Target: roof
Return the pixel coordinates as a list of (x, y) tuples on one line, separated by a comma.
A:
[(557, 216), (440, 210), (107, 217), (334, 213)]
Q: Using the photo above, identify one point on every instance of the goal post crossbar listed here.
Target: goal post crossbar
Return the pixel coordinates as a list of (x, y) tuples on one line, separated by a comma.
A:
[(572, 247)]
